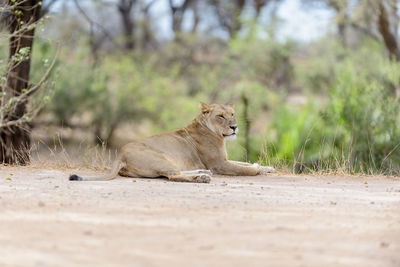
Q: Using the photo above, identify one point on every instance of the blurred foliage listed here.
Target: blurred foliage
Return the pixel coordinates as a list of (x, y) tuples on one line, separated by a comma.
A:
[(116, 89), (349, 120), (357, 129), (328, 105)]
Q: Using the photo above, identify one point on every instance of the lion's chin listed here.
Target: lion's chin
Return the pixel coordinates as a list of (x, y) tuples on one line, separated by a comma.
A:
[(230, 137)]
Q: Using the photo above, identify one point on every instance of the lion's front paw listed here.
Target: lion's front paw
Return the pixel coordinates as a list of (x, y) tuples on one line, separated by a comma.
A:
[(203, 178), (266, 169)]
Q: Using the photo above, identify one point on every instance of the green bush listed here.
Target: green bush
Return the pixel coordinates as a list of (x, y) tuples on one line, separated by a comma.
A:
[(355, 131), (366, 109), (349, 122)]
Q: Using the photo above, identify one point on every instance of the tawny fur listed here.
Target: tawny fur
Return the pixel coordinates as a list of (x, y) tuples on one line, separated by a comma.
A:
[(190, 154)]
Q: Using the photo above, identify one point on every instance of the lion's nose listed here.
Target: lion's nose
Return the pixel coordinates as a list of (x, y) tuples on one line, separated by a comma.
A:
[(233, 127)]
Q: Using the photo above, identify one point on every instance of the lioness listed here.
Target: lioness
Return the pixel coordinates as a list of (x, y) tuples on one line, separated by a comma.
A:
[(190, 154)]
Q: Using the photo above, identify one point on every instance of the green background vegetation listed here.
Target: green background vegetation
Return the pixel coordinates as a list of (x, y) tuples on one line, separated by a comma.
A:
[(323, 105)]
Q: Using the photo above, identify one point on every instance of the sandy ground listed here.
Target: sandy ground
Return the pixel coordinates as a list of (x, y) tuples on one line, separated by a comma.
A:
[(276, 220)]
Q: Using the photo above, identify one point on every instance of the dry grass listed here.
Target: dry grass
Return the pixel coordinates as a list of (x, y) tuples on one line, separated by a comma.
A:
[(99, 157), (72, 156), (341, 166), (59, 154)]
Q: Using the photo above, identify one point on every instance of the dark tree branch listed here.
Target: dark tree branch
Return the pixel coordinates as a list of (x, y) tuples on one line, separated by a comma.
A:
[(125, 10), (229, 13), (364, 30), (93, 23), (196, 16), (147, 37), (177, 13), (385, 30), (259, 5), (46, 8)]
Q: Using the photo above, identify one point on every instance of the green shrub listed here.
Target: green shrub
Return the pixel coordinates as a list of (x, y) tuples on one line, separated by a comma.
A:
[(348, 124), (355, 131), (365, 107)]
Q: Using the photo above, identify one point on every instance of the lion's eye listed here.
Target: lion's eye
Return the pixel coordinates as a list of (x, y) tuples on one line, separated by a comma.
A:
[(221, 116)]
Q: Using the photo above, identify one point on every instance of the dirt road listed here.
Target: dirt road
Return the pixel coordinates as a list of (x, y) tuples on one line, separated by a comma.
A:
[(278, 220)]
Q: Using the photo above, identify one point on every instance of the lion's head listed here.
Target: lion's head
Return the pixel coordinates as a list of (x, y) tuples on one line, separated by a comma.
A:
[(220, 119)]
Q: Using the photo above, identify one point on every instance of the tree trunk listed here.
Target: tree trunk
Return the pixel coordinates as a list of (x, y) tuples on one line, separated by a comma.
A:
[(147, 36), (246, 119), (237, 24), (388, 36), (196, 16), (258, 6), (229, 13), (177, 13), (125, 8), (15, 140)]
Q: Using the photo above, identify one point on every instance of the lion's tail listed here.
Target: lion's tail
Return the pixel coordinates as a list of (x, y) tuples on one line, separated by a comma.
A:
[(115, 169)]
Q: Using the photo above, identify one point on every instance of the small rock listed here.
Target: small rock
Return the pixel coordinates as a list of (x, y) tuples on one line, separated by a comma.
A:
[(384, 244), (88, 232), (41, 204)]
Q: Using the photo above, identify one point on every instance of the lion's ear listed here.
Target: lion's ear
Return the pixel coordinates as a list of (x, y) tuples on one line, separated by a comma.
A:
[(230, 105), (205, 108)]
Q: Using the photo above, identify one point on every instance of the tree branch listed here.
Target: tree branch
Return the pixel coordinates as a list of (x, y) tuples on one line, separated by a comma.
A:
[(93, 23)]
